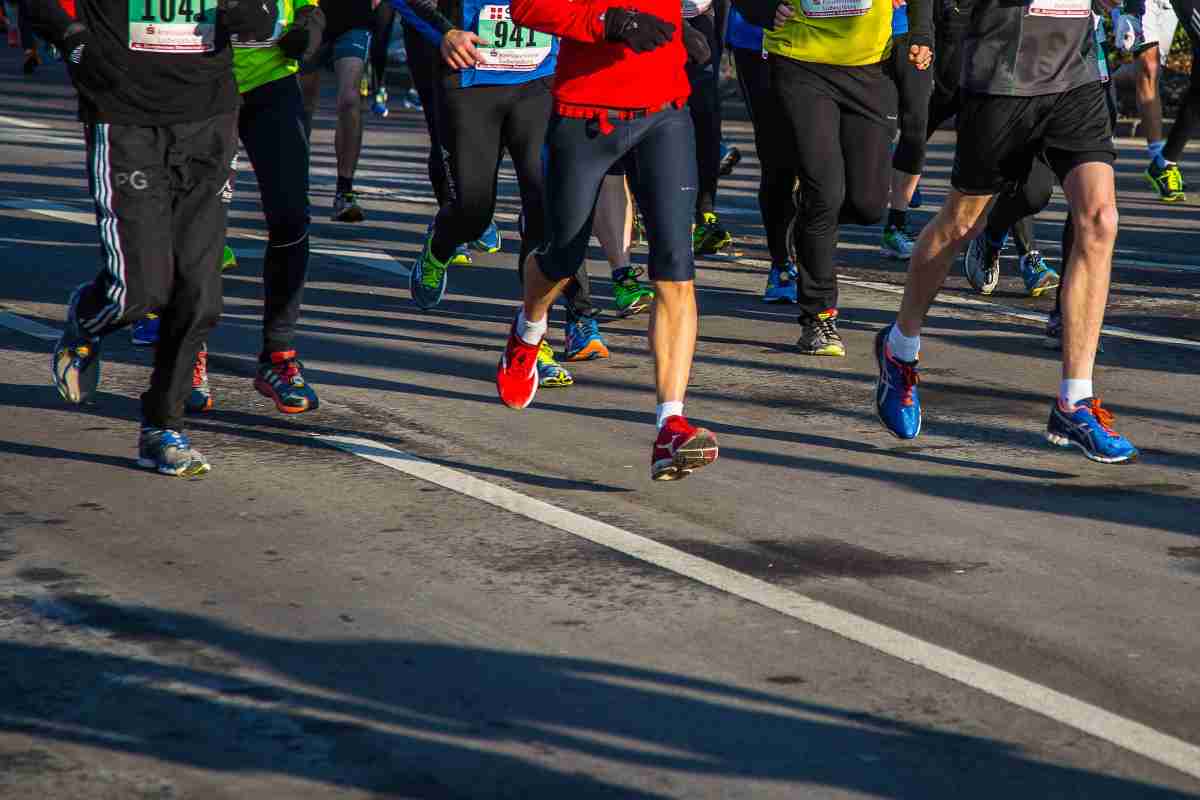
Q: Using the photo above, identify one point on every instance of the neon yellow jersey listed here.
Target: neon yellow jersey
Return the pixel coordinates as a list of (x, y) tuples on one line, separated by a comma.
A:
[(256, 63), (847, 33)]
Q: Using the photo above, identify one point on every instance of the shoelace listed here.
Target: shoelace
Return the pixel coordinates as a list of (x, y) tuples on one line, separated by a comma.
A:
[(909, 378), (431, 274), (200, 369), (589, 327), (827, 326), (1103, 416), (288, 369)]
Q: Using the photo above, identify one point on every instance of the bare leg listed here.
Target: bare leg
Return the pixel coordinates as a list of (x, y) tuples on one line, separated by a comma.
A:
[(1148, 102), (613, 223), (539, 291), (903, 186), (348, 139), (958, 222), (310, 90), (1091, 192), (674, 322)]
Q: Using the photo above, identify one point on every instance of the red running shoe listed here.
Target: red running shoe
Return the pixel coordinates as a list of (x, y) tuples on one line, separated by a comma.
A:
[(681, 449), (281, 380), (517, 373)]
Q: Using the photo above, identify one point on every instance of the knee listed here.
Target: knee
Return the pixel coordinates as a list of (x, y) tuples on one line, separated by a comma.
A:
[(863, 211), (825, 204), (1096, 225), (287, 226)]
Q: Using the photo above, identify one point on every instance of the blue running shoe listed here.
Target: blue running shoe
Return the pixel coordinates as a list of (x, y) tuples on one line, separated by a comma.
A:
[(75, 363), (144, 332), (489, 241), (781, 284), (896, 400), (1089, 427), (170, 453), (379, 107), (584, 342), (1039, 276), (427, 281), (916, 201)]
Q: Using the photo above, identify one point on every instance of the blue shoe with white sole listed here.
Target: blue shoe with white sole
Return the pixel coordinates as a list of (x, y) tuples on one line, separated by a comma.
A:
[(1088, 426), (896, 400)]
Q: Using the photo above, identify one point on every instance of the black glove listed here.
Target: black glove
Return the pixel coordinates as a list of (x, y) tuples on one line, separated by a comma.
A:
[(640, 31), (696, 44), (85, 63), (303, 39), (249, 20)]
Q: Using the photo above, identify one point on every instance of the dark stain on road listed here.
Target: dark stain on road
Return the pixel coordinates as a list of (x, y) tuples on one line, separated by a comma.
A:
[(45, 575), (817, 558), (1184, 552), (785, 680)]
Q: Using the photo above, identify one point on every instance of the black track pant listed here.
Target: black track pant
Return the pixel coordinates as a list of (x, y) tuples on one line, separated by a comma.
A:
[(381, 37), (776, 151), (271, 127), (914, 88), (705, 107), (839, 120), (161, 197), (1188, 119), (422, 64)]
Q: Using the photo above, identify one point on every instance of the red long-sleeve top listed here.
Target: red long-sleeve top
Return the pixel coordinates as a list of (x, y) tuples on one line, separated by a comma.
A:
[(596, 74)]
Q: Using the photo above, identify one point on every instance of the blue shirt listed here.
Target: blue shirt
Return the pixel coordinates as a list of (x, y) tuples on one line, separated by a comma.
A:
[(741, 34), (900, 21)]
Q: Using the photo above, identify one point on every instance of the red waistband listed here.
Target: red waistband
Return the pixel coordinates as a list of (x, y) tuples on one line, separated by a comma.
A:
[(605, 116)]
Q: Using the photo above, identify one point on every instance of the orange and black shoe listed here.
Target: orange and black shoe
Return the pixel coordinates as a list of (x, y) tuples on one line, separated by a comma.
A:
[(281, 380), (200, 399)]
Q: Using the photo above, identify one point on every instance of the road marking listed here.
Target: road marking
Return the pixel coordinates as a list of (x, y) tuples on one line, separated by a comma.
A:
[(372, 259), (16, 122), (29, 327), (1093, 720), (49, 208)]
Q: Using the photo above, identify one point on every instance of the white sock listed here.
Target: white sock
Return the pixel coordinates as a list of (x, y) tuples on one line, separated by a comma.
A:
[(905, 348), (1072, 390), (531, 332), (671, 408)]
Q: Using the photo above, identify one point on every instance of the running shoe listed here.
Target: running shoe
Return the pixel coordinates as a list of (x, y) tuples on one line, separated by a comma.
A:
[(489, 241), (461, 257), (517, 372), (897, 243), (200, 399), (1088, 426), (981, 264), (730, 158), (412, 100), (1039, 277), (819, 335), (170, 453), (1167, 181), (427, 280), (708, 237), (551, 374), (917, 200), (896, 399), (75, 364), (781, 284), (631, 296), (282, 381), (584, 342), (681, 449), (346, 208), (228, 259), (364, 85), (379, 107), (144, 332), (32, 60)]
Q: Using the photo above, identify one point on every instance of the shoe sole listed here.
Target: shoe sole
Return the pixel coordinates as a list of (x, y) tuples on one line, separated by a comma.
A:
[(593, 352), (266, 391), (839, 352), (192, 470), (555, 383), (894, 255), (1058, 440), (1166, 198), (1038, 291), (696, 453), (636, 308)]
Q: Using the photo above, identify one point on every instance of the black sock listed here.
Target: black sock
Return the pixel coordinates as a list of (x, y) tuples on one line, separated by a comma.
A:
[(345, 185), (897, 219), (622, 274)]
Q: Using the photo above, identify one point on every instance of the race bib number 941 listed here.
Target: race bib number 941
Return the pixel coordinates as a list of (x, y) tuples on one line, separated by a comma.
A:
[(172, 26), (834, 8), (508, 46)]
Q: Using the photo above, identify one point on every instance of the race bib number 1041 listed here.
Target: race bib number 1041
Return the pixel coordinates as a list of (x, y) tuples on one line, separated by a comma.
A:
[(172, 26)]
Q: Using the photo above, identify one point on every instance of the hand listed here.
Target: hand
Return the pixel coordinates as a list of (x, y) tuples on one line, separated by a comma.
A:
[(1128, 33), (920, 57), (641, 32), (458, 49), (87, 66), (249, 20), (303, 38), (696, 44), (897, 3), (783, 14)]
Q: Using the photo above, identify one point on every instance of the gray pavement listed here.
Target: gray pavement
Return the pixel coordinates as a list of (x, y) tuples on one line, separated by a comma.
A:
[(305, 623)]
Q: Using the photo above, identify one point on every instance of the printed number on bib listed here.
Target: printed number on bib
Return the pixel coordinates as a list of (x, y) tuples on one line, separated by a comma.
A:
[(172, 26), (1061, 8), (506, 45), (834, 8)]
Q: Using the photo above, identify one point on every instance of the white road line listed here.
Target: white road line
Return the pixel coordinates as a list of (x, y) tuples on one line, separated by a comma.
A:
[(29, 327), (16, 122), (49, 208), (372, 259), (1128, 734)]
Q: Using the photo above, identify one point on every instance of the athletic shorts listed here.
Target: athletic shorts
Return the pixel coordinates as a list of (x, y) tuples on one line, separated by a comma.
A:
[(355, 43), (999, 136)]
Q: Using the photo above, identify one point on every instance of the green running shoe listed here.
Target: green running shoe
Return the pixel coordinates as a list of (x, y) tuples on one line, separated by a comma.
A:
[(551, 374), (1167, 181), (228, 259), (709, 238), (427, 281), (631, 296)]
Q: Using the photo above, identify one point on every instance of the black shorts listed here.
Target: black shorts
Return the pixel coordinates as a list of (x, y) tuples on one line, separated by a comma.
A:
[(999, 136)]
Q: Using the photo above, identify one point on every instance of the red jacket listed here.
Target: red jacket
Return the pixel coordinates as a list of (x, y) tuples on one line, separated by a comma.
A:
[(594, 73)]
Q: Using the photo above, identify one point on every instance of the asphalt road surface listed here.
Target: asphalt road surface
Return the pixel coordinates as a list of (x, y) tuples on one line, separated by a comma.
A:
[(415, 592)]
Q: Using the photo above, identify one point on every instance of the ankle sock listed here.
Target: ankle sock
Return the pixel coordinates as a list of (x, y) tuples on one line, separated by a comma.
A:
[(1072, 390), (531, 332), (671, 408), (344, 185), (1155, 149), (905, 348)]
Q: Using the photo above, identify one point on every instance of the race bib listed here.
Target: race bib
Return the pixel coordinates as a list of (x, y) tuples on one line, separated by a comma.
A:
[(834, 8), (172, 26), (1060, 8), (507, 47)]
